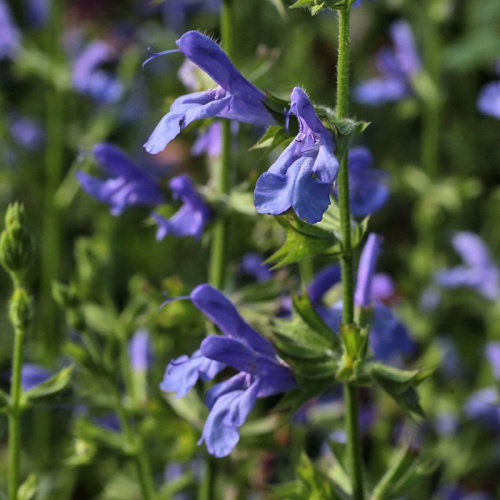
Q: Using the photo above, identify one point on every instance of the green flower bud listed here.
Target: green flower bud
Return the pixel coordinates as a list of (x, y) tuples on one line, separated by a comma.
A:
[(21, 309), (16, 247)]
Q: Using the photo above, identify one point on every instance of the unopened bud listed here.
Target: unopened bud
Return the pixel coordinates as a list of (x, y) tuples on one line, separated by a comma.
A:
[(20, 309), (16, 248)]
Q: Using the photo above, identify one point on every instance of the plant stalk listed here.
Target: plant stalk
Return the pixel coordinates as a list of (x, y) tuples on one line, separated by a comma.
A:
[(15, 415), (354, 458)]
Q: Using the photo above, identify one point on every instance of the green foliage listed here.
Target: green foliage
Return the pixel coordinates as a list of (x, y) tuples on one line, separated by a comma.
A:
[(316, 6), (53, 385), (401, 386)]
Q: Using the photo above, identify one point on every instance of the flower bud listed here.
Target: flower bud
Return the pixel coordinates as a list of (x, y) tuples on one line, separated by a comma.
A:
[(20, 309), (16, 248)]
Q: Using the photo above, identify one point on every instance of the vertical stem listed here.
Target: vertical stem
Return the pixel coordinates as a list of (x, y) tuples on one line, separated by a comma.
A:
[(220, 232), (15, 416), (51, 248), (140, 458), (222, 171), (350, 392)]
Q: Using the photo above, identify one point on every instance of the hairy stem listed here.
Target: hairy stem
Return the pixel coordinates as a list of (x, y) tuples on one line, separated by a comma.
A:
[(15, 415), (354, 459)]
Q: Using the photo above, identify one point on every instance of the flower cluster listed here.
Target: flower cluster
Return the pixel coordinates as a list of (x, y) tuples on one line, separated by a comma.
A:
[(261, 372)]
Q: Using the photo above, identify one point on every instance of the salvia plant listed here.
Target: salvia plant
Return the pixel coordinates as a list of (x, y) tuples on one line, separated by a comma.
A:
[(250, 249)]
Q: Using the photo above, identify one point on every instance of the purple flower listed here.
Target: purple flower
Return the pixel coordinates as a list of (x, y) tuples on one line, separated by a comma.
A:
[(302, 177), (388, 337), (10, 36), (140, 351), (253, 265), (484, 406), (127, 184), (262, 373), (235, 98), (488, 101), (397, 66), (493, 354), (33, 375), (91, 79), (191, 218), (27, 132), (368, 190), (37, 12), (177, 12), (479, 272)]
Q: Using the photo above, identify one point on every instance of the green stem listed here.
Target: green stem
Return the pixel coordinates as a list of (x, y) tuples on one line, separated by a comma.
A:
[(15, 415), (51, 229), (354, 458), (222, 170), (140, 458)]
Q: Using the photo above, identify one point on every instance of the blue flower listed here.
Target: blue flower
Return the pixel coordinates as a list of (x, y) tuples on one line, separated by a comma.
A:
[(91, 79), (368, 189), (140, 351), (492, 352), (480, 272), (10, 36), (397, 65), (235, 98), (261, 372), (388, 337), (127, 185), (33, 375), (191, 218), (252, 264), (488, 101), (302, 177), (484, 406)]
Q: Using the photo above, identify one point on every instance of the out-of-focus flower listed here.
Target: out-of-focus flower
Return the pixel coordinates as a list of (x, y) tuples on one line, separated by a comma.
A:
[(140, 351), (492, 352), (479, 272), (261, 372), (388, 337), (303, 175), (235, 98), (210, 140), (453, 492), (127, 184), (27, 132), (37, 12), (484, 406), (177, 12), (10, 36), (89, 76), (253, 265), (488, 101), (397, 66), (33, 375), (368, 189), (191, 218)]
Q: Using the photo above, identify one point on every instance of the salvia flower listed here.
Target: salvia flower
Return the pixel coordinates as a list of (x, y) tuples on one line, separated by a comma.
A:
[(89, 76), (368, 187), (191, 218), (388, 337), (10, 36), (252, 264), (492, 352), (140, 351), (479, 272), (235, 98), (33, 375), (488, 101), (303, 175), (127, 184), (396, 65), (261, 372)]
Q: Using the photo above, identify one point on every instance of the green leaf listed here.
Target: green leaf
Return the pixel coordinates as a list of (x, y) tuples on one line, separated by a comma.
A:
[(402, 461), (28, 489), (104, 438), (302, 241), (53, 385), (272, 138), (400, 385), (190, 408), (4, 401)]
